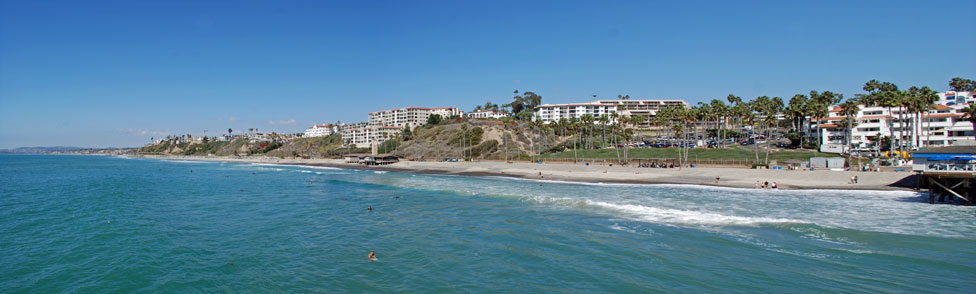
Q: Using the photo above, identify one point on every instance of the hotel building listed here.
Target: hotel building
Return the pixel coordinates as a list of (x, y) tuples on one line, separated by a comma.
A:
[(942, 126), (487, 113), (321, 130)]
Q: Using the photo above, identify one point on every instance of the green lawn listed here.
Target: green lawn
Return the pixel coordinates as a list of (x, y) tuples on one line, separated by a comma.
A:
[(700, 153)]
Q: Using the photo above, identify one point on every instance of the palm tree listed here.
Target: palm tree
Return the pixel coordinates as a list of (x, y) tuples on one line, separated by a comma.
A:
[(849, 110), (773, 109), (230, 132), (762, 106), (796, 112), (959, 84), (615, 117), (970, 114), (720, 113), (604, 120), (736, 109), (885, 95), (819, 103), (587, 122), (926, 102), (749, 118), (624, 120), (636, 121), (464, 134)]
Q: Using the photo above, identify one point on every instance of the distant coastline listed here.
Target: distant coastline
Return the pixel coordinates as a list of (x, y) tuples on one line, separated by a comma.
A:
[(67, 150)]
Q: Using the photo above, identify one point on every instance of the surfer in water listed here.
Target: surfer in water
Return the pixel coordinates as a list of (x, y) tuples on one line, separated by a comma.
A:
[(372, 255)]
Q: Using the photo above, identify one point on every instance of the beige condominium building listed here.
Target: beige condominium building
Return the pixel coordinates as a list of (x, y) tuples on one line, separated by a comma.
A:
[(410, 116), (364, 135)]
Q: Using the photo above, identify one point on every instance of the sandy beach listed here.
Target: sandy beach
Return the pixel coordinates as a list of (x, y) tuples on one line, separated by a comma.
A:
[(726, 176)]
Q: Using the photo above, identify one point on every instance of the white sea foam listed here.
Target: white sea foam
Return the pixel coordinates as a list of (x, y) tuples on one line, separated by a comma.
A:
[(321, 167), (899, 194), (270, 164), (186, 161), (816, 234), (618, 227), (687, 217)]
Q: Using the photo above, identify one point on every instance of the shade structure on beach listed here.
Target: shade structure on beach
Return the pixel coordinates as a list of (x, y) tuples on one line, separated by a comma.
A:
[(938, 156)]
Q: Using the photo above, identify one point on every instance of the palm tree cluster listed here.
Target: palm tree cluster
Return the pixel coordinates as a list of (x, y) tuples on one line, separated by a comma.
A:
[(488, 106), (720, 121), (909, 106)]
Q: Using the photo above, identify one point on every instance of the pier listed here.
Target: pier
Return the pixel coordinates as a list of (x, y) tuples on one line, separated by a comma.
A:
[(947, 172)]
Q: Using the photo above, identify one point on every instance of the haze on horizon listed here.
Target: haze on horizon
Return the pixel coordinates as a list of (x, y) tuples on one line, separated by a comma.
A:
[(115, 73)]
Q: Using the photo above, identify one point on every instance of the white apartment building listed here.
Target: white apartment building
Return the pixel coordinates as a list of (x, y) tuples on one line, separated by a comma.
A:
[(487, 113), (648, 108), (942, 126), (321, 130), (410, 116), (363, 135), (549, 113)]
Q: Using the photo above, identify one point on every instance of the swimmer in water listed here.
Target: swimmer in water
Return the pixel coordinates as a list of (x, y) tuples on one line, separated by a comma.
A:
[(369, 208), (372, 255)]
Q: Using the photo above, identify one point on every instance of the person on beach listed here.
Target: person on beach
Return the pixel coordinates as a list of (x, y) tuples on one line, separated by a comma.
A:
[(855, 179), (775, 186), (716, 179), (765, 185)]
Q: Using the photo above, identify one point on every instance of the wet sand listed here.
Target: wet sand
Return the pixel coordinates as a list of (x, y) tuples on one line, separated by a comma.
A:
[(727, 176)]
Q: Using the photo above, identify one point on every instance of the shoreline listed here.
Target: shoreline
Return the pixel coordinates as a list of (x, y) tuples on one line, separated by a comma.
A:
[(729, 177)]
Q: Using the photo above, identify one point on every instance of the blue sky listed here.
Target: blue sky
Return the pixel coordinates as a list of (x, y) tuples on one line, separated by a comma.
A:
[(115, 73)]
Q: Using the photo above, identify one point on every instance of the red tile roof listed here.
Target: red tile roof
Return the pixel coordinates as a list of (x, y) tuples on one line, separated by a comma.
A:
[(943, 115)]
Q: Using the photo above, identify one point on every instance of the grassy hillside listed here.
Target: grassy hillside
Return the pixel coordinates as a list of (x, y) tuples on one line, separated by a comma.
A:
[(238, 146), (318, 147), (477, 139)]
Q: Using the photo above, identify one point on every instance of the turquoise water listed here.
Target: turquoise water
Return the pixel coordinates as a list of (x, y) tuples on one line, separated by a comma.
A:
[(102, 224)]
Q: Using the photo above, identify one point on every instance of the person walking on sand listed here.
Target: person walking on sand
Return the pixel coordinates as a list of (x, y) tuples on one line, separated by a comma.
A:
[(855, 179)]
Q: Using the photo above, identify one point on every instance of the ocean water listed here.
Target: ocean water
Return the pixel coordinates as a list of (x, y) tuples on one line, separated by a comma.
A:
[(103, 224)]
